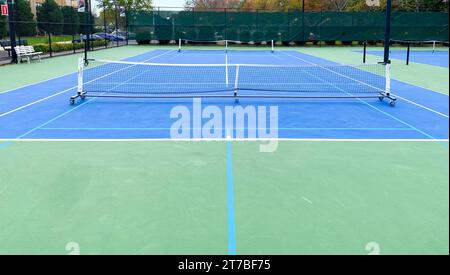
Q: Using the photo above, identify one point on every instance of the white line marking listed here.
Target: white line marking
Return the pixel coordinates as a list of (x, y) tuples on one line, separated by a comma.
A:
[(224, 139), (407, 100), (35, 102), (421, 106), (48, 97), (221, 65)]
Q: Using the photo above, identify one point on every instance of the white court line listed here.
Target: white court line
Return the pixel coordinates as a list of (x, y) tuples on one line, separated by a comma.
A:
[(74, 87), (224, 139), (35, 102), (407, 100), (221, 83)]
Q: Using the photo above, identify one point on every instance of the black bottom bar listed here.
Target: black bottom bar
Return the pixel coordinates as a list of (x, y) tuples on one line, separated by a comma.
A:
[(380, 96)]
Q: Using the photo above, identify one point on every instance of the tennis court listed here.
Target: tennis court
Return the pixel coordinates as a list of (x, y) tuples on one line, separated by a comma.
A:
[(350, 174)]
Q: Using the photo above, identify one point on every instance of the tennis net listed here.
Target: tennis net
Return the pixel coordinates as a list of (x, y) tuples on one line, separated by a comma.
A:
[(434, 45), (103, 78)]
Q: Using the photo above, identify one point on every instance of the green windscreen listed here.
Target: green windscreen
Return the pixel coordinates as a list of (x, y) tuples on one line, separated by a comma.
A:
[(291, 26)]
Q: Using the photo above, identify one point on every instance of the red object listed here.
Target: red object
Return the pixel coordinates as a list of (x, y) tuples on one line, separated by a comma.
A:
[(4, 9)]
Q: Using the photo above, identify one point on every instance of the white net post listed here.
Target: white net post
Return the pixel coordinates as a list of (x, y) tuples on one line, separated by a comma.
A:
[(179, 45), (236, 81), (272, 45), (388, 80), (226, 46), (226, 70), (434, 46), (80, 75)]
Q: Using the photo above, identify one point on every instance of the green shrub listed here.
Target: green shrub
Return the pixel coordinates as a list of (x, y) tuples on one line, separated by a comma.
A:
[(61, 47)]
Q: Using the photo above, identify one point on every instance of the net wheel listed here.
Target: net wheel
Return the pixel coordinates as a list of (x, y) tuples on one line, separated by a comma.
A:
[(83, 97), (380, 98), (72, 101), (392, 103)]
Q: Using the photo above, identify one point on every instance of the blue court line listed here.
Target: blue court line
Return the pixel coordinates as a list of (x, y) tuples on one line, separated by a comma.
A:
[(230, 203), (53, 119)]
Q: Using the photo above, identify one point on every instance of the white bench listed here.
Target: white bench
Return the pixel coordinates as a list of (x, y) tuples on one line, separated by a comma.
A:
[(27, 52), (30, 50)]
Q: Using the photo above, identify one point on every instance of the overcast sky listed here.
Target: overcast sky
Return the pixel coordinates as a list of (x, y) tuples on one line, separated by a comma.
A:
[(168, 3)]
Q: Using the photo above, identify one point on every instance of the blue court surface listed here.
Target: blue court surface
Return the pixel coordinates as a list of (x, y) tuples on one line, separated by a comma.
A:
[(42, 110), (437, 58)]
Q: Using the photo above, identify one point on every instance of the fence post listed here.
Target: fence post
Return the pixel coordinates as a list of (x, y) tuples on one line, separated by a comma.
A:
[(408, 51), (115, 23), (225, 23), (73, 43), (50, 44), (365, 51), (126, 25), (104, 23)]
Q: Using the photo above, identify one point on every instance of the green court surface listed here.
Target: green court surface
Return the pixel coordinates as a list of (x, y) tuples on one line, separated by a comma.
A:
[(167, 197)]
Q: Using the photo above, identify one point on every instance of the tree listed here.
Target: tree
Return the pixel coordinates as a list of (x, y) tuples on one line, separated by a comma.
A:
[(135, 5), (110, 9), (401, 5), (358, 5), (285, 5), (50, 18), (26, 25), (82, 19), (71, 21)]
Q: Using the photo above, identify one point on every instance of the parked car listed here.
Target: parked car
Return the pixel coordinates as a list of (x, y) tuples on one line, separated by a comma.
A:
[(93, 37), (120, 35), (110, 36), (106, 36)]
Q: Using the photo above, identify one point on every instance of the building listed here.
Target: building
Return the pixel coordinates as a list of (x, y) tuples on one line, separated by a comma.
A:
[(36, 3)]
